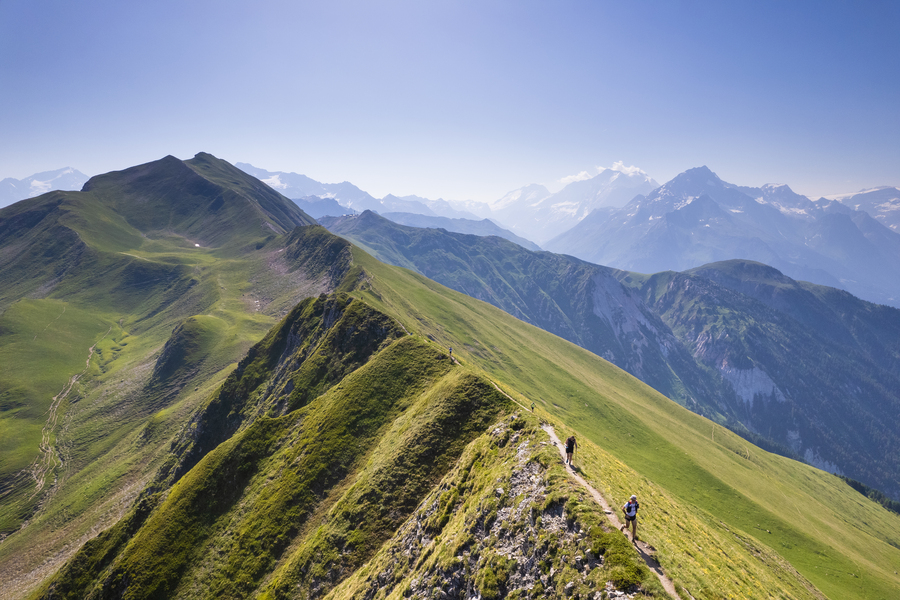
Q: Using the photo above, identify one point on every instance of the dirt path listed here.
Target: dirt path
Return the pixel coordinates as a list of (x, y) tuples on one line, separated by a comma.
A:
[(48, 458), (646, 551)]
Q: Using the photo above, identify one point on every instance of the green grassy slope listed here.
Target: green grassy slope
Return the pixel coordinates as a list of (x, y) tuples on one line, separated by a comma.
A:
[(581, 302), (808, 371), (363, 453), (297, 499), (844, 544), (58, 338), (254, 479), (167, 321)]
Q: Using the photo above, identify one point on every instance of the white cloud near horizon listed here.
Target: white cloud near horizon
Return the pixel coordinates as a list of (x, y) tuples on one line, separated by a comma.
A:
[(577, 177), (617, 166), (621, 168)]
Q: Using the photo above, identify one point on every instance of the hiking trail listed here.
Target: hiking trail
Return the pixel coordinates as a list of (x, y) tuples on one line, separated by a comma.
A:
[(48, 458), (646, 551)]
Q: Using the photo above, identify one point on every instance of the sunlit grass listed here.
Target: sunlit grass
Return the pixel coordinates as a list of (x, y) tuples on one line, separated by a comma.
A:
[(845, 545)]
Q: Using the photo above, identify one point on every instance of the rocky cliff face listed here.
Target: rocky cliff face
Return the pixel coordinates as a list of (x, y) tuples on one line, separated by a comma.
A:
[(810, 368)]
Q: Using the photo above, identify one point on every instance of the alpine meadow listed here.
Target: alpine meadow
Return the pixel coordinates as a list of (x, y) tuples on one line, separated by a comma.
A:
[(207, 394)]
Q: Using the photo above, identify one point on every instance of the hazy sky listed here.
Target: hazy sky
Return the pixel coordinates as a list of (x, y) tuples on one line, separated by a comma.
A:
[(458, 99)]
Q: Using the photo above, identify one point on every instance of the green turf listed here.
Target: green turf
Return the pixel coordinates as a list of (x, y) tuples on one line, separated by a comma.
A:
[(844, 544)]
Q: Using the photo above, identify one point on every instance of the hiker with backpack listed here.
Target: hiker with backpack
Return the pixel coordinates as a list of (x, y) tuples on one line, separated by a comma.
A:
[(570, 449), (630, 509)]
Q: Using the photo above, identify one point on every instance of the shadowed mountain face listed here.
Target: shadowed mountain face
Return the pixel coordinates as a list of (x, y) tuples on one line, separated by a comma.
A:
[(696, 218), (483, 228), (815, 369), (811, 369)]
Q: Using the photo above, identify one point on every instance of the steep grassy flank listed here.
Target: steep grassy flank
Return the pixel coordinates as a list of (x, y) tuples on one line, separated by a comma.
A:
[(320, 342), (178, 318), (280, 213), (506, 522), (420, 446), (845, 545), (579, 301), (386, 432)]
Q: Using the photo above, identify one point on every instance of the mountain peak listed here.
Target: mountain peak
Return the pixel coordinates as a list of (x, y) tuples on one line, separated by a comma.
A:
[(204, 198), (702, 171)]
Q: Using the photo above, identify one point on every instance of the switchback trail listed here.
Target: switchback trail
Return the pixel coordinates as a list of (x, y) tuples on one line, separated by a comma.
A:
[(644, 549)]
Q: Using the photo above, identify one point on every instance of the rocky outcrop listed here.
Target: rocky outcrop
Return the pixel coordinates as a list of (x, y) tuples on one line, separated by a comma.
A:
[(502, 524)]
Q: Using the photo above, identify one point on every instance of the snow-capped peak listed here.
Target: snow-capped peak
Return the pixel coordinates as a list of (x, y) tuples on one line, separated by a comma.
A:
[(631, 171)]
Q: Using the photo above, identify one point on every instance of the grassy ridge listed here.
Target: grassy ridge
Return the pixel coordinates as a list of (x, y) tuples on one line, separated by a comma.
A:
[(226, 523), (419, 447), (842, 543), (506, 522), (90, 262)]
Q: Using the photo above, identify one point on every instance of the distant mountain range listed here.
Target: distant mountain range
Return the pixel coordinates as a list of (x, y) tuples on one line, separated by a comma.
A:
[(883, 203), (622, 218), (804, 369), (696, 218), (533, 212), (296, 186), (13, 190)]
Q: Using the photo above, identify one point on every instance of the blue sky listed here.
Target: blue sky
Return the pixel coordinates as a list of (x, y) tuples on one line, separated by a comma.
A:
[(458, 99)]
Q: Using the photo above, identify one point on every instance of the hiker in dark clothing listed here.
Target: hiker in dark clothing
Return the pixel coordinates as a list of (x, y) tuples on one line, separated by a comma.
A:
[(630, 509), (570, 449)]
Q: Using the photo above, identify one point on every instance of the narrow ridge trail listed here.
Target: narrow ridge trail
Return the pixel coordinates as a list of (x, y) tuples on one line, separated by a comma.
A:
[(644, 549)]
